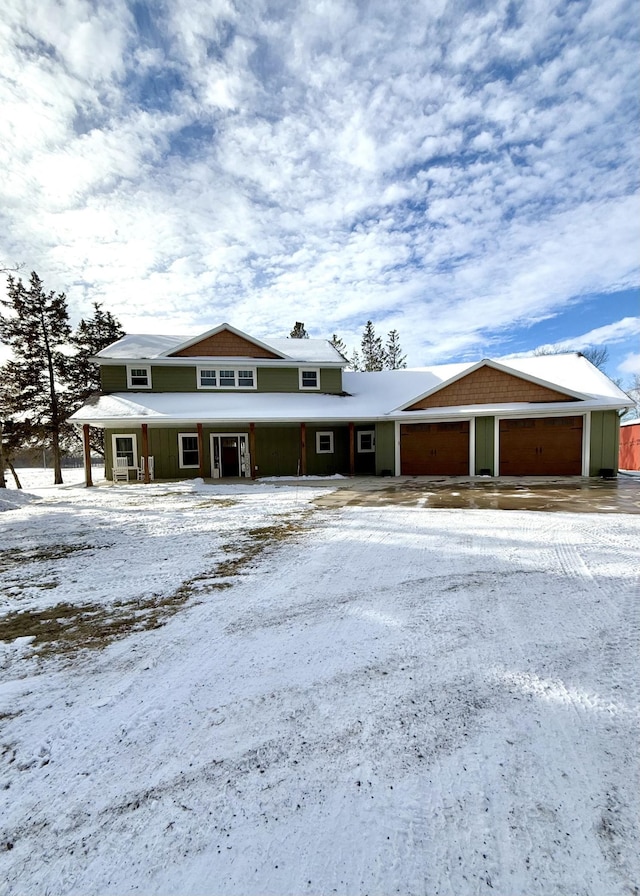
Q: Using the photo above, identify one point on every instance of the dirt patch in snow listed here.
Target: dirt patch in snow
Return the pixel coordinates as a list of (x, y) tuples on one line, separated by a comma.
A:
[(66, 627), (69, 627)]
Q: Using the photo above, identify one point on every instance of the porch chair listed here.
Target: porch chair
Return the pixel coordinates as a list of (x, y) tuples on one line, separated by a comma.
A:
[(121, 470), (140, 470)]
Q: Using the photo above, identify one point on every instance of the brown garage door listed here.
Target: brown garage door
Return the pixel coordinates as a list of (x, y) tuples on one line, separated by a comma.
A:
[(540, 446), (434, 449)]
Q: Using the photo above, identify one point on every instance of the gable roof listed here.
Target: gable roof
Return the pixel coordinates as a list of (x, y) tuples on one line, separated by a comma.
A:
[(150, 347), (190, 346), (548, 391)]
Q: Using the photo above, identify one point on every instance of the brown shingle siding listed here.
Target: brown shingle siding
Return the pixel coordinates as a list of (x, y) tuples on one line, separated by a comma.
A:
[(488, 386), (224, 345)]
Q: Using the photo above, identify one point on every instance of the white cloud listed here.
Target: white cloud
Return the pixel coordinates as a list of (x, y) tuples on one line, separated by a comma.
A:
[(429, 167), (631, 364)]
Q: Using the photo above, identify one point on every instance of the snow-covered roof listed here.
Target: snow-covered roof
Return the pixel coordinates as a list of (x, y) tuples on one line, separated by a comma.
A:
[(569, 371), (309, 351), (369, 397), (150, 347)]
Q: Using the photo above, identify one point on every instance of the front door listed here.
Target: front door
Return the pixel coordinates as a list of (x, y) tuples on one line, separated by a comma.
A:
[(230, 455), (365, 452)]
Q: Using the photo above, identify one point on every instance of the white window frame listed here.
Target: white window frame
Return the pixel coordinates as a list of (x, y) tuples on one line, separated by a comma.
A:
[(131, 368), (134, 443), (301, 384), (235, 369), (181, 463), (367, 432), (328, 450), (199, 383)]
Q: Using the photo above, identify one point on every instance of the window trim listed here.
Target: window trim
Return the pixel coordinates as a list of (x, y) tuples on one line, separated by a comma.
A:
[(181, 463), (367, 432), (131, 368), (304, 388), (235, 368), (134, 443), (329, 450)]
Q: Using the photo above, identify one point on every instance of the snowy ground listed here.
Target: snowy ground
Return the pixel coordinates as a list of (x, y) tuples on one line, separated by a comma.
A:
[(234, 690)]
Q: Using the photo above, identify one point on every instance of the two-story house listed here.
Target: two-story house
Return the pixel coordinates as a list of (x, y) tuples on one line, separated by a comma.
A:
[(226, 405)]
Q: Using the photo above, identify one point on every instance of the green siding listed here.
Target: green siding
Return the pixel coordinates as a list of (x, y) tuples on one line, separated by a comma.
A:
[(113, 379), (163, 379), (330, 380), (328, 464), (485, 436), (277, 379), (286, 379), (605, 440), (173, 379), (385, 448), (277, 450), (169, 378)]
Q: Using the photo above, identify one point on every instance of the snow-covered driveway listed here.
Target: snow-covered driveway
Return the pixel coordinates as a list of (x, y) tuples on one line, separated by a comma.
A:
[(281, 698)]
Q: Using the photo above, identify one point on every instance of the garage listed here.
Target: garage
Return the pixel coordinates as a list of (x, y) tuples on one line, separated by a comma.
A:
[(434, 449), (541, 446)]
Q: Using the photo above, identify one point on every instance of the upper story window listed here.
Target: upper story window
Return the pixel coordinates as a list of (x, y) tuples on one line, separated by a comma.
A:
[(226, 378), (139, 377), (310, 378)]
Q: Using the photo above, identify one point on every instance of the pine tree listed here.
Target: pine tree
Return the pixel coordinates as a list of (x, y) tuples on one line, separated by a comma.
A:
[(83, 379), (339, 345), (372, 350), (393, 357), (35, 330), (299, 331), (354, 362), (89, 338)]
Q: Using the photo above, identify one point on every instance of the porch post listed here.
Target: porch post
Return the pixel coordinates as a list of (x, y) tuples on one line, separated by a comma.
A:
[(352, 450), (88, 481), (145, 452), (303, 449), (252, 449), (201, 471)]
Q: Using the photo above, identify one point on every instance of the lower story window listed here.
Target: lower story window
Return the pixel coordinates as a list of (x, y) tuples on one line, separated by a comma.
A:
[(124, 448), (188, 450), (366, 441), (324, 443)]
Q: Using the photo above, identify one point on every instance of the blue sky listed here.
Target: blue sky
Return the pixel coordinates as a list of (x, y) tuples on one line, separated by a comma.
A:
[(464, 172)]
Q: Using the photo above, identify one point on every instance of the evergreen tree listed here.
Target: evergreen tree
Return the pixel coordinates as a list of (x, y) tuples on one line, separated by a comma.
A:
[(354, 362), (36, 329), (393, 357), (89, 338), (339, 345), (373, 355), (299, 331)]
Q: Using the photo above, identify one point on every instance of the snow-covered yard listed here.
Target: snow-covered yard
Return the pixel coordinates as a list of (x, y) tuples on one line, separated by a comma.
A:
[(236, 690)]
